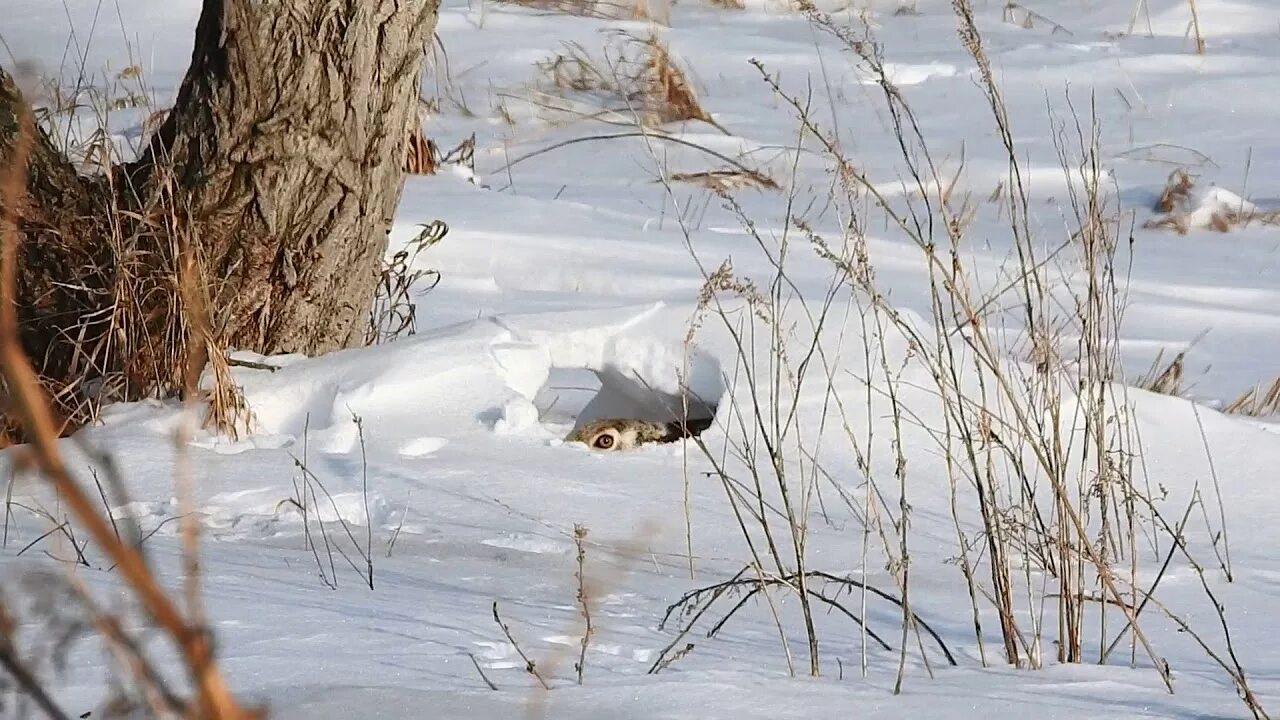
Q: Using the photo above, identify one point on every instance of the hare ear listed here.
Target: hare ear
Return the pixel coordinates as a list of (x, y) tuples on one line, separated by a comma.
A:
[(695, 426), (678, 430)]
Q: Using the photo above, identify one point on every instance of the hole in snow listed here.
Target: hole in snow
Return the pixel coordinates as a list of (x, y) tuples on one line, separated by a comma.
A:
[(567, 391), (642, 386), (640, 369)]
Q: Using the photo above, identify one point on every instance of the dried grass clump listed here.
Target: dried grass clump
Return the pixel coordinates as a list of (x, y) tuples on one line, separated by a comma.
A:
[(658, 11), (122, 330), (1176, 195), (424, 157), (1183, 207), (636, 77), (421, 156), (575, 70), (1261, 401), (669, 96), (394, 312), (1167, 380)]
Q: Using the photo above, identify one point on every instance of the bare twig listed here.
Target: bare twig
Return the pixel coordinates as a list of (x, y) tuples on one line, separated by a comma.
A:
[(480, 670), (584, 598), (529, 666)]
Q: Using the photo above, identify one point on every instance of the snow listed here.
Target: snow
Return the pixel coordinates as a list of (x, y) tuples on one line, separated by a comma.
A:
[(568, 288)]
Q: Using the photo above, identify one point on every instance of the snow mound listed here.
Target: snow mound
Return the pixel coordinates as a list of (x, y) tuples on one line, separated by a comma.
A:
[(492, 374)]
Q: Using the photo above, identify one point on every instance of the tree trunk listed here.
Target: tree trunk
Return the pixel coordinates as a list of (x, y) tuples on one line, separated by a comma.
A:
[(280, 165), (288, 136)]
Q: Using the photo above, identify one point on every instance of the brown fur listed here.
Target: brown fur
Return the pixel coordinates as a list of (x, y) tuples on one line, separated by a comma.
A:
[(627, 434)]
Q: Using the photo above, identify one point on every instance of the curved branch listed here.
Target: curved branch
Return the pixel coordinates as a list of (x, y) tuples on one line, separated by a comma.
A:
[(617, 136)]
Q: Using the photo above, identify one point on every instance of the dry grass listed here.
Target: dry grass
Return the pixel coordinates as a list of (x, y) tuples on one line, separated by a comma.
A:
[(29, 404), (635, 77), (1176, 196), (575, 70), (394, 312), (1261, 401), (654, 11), (424, 157), (136, 326), (125, 326), (1182, 208), (658, 11), (1195, 26), (727, 180), (668, 96), (421, 156), (228, 412), (1167, 380), (1041, 456)]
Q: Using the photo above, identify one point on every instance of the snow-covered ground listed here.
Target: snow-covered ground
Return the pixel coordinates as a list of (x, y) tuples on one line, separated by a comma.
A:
[(576, 260)]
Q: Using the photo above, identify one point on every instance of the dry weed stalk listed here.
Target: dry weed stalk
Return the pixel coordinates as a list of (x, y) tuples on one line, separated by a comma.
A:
[(529, 665), (693, 605), (1167, 380), (1195, 26), (1044, 451), (650, 137), (394, 312), (1026, 18), (584, 598), (725, 181), (768, 465), (22, 679), (306, 501), (1064, 423)]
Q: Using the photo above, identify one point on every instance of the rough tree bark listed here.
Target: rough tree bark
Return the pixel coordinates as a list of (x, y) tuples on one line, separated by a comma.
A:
[(280, 162), (288, 135)]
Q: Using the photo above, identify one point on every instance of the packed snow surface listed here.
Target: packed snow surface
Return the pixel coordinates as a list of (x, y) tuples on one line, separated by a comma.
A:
[(569, 284)]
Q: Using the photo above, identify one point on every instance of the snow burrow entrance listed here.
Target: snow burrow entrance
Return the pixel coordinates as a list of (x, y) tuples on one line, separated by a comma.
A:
[(567, 392), (564, 380), (572, 397)]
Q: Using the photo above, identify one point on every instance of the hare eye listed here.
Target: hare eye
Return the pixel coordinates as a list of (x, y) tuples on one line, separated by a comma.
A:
[(604, 441)]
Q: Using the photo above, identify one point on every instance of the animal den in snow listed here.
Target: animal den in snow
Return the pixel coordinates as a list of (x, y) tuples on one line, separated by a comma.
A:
[(631, 383)]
